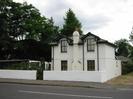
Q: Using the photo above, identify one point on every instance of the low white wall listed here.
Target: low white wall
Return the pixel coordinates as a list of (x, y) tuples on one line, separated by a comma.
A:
[(118, 71), (88, 76), (113, 69), (18, 74)]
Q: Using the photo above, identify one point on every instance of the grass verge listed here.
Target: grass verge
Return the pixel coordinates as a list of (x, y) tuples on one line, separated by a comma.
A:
[(122, 80)]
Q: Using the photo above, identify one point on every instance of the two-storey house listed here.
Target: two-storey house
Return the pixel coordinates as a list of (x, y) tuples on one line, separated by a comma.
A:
[(83, 58)]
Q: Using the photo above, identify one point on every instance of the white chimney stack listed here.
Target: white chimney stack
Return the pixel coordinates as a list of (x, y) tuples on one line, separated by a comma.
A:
[(76, 62), (75, 37)]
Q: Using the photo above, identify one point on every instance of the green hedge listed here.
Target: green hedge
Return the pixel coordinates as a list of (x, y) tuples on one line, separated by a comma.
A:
[(127, 68), (22, 66)]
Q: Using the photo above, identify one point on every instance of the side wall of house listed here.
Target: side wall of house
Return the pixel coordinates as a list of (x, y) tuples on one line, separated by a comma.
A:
[(102, 57), (108, 63), (113, 67)]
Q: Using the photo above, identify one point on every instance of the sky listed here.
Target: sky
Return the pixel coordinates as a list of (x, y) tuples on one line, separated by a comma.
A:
[(108, 19)]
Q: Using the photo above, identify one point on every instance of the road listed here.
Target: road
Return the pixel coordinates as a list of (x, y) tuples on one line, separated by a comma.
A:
[(20, 91)]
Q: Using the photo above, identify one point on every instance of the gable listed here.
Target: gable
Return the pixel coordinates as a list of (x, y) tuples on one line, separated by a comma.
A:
[(57, 40), (97, 39), (89, 35)]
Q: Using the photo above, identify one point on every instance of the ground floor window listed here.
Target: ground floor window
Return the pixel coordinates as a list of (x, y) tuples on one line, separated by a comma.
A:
[(90, 65), (64, 65)]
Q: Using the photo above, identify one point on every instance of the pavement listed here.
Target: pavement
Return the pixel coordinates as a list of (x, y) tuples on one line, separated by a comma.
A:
[(62, 83)]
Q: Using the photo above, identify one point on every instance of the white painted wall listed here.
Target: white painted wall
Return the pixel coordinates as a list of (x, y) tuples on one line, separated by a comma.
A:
[(18, 74), (108, 63), (113, 69), (58, 56), (91, 76)]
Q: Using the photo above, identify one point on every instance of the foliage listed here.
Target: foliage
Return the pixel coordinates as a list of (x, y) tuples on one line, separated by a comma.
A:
[(5, 40), (123, 47), (24, 33), (131, 36), (49, 32), (127, 68), (32, 49), (21, 66), (17, 66), (71, 23)]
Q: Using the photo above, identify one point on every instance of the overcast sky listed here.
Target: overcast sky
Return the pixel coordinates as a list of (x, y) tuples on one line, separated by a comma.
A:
[(109, 19)]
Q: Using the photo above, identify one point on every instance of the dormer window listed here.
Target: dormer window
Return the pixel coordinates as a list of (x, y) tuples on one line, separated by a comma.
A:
[(90, 44), (63, 46)]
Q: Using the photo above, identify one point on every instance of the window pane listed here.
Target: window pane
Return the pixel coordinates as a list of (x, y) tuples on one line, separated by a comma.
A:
[(91, 65), (63, 46), (90, 44), (63, 65)]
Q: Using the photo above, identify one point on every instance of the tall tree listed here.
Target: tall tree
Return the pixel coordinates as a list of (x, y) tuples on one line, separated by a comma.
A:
[(71, 23), (49, 32), (131, 35), (5, 40), (24, 20), (123, 47), (4, 17), (22, 28)]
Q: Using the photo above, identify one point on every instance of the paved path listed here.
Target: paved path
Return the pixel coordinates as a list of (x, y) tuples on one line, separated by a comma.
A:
[(20, 91), (57, 83), (63, 83)]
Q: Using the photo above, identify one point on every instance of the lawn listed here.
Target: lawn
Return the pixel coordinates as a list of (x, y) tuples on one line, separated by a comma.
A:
[(122, 80)]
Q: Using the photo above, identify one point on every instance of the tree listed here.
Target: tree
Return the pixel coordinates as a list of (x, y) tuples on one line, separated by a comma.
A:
[(123, 47), (5, 39), (71, 23), (4, 17), (22, 25), (32, 49), (24, 20), (49, 31), (131, 36)]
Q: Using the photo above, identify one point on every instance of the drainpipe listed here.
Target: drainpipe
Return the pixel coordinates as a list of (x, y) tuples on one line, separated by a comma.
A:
[(97, 56), (83, 56), (53, 59)]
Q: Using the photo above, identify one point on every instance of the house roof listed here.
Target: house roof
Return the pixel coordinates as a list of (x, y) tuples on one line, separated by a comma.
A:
[(89, 34), (60, 36), (101, 41), (82, 37)]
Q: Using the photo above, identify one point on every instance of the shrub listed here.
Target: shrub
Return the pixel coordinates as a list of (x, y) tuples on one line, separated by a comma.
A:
[(127, 68)]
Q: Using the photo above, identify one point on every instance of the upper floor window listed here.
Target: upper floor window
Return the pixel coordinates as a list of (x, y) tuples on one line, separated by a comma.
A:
[(90, 44), (64, 46)]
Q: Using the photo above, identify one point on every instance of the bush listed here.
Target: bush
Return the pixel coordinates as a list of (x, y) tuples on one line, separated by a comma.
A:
[(17, 66), (127, 68), (22, 66)]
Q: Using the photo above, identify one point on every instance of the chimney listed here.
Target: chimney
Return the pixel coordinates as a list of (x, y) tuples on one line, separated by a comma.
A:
[(75, 37), (76, 61)]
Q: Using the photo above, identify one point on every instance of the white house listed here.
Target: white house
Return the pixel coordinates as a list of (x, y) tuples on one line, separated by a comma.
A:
[(83, 58)]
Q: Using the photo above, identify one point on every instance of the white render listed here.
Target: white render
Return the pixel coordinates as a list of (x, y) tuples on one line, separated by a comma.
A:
[(106, 66), (74, 75), (18, 74)]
